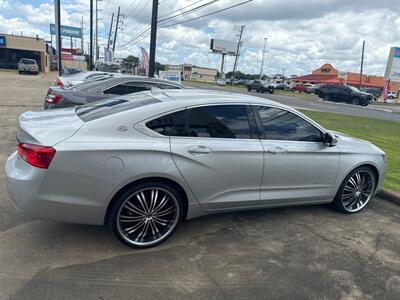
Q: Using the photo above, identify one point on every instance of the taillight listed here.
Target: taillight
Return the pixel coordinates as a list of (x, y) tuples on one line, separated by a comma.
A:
[(59, 82), (54, 98), (35, 155)]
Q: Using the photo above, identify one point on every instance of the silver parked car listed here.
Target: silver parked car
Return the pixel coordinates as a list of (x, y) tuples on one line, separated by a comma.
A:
[(145, 162)]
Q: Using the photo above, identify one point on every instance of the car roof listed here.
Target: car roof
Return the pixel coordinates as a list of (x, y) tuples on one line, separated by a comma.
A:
[(198, 96), (107, 81)]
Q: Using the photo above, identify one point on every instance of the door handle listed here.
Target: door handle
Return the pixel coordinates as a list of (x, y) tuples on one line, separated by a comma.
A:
[(199, 150), (277, 150)]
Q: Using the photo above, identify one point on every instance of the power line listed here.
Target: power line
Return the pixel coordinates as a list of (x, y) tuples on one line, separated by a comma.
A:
[(189, 11), (206, 15), (145, 33), (147, 30), (180, 9)]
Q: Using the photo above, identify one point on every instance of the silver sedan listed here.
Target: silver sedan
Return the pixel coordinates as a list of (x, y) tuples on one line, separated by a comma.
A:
[(146, 162)]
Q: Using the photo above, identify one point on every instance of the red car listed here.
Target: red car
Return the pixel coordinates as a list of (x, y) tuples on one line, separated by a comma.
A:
[(299, 88)]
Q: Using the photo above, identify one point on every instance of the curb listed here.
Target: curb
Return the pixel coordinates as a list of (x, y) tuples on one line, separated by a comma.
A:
[(389, 196)]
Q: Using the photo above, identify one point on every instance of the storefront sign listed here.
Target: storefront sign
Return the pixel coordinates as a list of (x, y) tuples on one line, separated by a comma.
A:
[(3, 41)]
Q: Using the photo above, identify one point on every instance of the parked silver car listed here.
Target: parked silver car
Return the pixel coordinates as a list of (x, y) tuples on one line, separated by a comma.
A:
[(28, 65), (145, 162)]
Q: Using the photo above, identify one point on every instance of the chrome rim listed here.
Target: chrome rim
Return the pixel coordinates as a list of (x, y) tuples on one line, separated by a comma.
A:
[(358, 190), (148, 216)]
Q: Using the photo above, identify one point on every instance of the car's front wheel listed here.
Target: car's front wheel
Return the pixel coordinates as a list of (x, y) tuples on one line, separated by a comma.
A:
[(146, 214), (355, 101), (356, 190)]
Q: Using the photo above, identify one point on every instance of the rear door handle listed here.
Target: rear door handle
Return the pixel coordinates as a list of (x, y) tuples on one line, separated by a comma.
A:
[(277, 150), (199, 150)]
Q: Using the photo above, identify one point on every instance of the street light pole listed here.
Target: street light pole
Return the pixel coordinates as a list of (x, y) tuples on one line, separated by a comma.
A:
[(263, 55), (153, 37)]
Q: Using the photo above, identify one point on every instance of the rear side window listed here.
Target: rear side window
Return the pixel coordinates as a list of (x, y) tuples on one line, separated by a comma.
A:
[(103, 108), (218, 121), (279, 124), (170, 125), (169, 87), (128, 88)]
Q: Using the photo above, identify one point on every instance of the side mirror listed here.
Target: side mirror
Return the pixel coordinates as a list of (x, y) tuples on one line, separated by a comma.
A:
[(330, 139)]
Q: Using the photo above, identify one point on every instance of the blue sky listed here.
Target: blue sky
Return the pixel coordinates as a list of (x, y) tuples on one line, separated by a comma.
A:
[(302, 34)]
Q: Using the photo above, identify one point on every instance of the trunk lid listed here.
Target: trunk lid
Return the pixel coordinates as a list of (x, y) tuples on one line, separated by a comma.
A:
[(48, 127)]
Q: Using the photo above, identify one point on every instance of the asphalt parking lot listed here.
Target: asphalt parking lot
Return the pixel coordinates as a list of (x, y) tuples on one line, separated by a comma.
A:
[(287, 253)]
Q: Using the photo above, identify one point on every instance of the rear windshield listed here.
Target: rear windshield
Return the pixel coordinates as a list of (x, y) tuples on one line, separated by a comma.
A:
[(103, 108), (27, 61)]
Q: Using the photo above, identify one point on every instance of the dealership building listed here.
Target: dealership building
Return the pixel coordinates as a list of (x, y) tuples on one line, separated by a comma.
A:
[(15, 47)]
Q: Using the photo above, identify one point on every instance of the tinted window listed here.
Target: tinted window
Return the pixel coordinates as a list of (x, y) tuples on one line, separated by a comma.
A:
[(219, 121), (127, 88), (168, 87), (172, 124), (108, 107), (280, 124)]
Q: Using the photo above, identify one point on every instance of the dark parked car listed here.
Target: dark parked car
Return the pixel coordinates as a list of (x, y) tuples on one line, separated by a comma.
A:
[(60, 97), (71, 71), (260, 87), (344, 93)]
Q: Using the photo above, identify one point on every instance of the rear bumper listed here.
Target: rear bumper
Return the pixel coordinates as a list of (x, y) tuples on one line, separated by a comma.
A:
[(26, 186)]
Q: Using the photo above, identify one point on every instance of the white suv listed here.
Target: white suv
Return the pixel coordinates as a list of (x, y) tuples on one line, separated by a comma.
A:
[(28, 65)]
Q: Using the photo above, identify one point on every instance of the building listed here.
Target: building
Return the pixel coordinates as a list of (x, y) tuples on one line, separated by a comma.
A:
[(327, 74), (190, 72), (15, 47)]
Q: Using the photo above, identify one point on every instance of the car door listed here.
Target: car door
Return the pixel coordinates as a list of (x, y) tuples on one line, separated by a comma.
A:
[(298, 166), (220, 155)]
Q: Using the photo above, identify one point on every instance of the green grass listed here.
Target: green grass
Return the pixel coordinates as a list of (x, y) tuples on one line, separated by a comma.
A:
[(384, 134)]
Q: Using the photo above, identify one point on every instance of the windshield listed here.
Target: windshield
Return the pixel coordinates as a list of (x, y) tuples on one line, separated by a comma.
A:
[(109, 68), (103, 108), (354, 88)]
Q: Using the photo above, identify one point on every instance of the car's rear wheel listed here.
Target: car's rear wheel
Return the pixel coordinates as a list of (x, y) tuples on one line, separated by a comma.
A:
[(248, 89), (146, 215), (356, 191)]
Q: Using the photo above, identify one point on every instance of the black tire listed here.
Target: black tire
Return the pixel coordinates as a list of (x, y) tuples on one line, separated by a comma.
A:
[(128, 206), (248, 89), (326, 98), (344, 195), (271, 91), (257, 90), (355, 101), (19, 72)]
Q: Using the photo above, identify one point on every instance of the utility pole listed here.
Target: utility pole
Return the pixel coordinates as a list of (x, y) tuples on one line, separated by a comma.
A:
[(58, 33), (153, 37), (116, 28), (222, 65), (82, 35), (97, 30), (263, 55), (91, 37), (362, 64), (237, 53), (109, 33)]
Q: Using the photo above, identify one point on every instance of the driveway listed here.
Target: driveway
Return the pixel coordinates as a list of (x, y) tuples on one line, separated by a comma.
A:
[(311, 252)]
